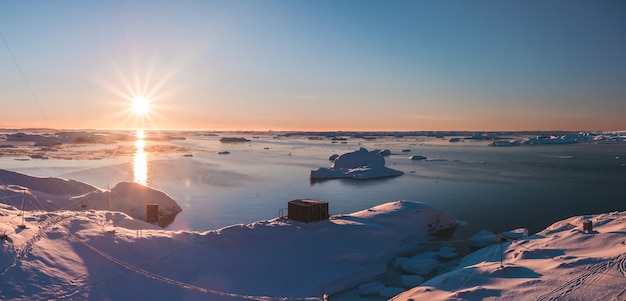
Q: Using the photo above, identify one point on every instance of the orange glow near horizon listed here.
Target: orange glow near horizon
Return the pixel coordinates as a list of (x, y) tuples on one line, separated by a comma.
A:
[(140, 161)]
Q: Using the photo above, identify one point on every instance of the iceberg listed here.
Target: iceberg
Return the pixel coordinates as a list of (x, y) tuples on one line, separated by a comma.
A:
[(361, 164), (233, 139), (542, 140)]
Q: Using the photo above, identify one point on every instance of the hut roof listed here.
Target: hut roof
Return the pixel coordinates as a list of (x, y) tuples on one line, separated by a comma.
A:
[(307, 202)]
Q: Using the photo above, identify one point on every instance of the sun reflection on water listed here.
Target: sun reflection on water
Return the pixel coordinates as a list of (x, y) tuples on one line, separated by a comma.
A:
[(140, 160), (140, 134)]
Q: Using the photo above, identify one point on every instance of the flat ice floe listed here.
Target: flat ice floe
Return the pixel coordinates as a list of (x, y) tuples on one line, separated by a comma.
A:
[(361, 164)]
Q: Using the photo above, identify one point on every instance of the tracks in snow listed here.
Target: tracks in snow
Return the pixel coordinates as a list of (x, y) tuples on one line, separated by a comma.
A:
[(28, 245), (184, 285), (601, 268), (621, 265)]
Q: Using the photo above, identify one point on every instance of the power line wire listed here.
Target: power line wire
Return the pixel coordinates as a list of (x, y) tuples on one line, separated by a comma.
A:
[(183, 284), (32, 94)]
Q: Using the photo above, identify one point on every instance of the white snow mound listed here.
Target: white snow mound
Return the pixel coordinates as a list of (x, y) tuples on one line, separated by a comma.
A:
[(50, 194), (104, 255), (563, 262)]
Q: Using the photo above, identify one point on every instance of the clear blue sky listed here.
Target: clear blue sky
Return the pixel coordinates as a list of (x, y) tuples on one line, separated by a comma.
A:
[(315, 65)]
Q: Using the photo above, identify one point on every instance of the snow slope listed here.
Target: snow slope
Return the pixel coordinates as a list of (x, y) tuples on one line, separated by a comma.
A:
[(101, 255), (55, 194), (560, 263)]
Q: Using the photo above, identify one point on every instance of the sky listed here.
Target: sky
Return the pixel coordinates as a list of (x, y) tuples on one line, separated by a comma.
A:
[(314, 65)]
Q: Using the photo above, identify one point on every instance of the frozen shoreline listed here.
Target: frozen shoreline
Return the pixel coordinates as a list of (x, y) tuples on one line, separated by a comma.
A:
[(562, 262), (105, 254), (100, 254)]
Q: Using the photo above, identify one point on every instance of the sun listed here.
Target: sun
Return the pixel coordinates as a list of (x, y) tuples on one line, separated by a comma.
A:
[(140, 106)]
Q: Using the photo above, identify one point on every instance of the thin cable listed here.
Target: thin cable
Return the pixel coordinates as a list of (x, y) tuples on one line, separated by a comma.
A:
[(474, 270), (25, 80), (183, 284)]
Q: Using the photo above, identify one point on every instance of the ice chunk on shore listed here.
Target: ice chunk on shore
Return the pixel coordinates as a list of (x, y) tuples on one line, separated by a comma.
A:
[(399, 261), (411, 281), (370, 288), (447, 253), (516, 234), (361, 164), (486, 238), (420, 266), (561, 262), (384, 152), (389, 292)]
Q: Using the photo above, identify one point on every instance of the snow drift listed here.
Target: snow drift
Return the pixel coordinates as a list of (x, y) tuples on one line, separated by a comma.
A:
[(361, 164), (60, 194), (562, 262)]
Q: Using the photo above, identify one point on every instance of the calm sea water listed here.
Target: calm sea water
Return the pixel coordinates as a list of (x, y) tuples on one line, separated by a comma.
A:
[(494, 188)]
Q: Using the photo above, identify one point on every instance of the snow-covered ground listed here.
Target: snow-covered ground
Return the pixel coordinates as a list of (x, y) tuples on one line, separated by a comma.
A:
[(49, 194), (104, 255), (562, 262), (88, 253)]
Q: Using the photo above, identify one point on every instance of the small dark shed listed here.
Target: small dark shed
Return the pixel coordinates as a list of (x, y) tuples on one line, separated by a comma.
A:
[(307, 210), (152, 213)]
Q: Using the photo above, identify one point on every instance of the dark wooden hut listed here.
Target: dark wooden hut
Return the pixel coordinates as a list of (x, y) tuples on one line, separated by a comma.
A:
[(307, 210), (152, 213)]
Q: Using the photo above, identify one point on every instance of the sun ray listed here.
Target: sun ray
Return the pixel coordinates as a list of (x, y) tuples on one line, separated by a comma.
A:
[(140, 89)]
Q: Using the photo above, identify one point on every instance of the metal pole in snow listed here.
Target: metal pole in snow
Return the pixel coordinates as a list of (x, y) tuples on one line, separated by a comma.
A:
[(23, 226), (501, 266), (501, 239), (109, 189)]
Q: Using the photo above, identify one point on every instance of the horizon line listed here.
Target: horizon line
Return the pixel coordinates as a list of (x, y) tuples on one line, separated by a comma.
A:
[(303, 131)]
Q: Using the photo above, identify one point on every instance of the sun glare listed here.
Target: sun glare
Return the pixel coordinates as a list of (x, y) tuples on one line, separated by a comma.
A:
[(140, 134), (140, 164), (141, 106)]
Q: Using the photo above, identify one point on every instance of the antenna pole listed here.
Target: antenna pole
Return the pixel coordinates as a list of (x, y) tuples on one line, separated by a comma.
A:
[(109, 189), (501, 266), (23, 199), (23, 226)]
